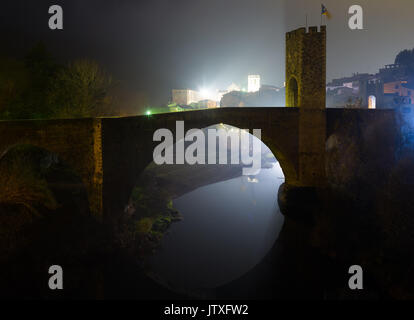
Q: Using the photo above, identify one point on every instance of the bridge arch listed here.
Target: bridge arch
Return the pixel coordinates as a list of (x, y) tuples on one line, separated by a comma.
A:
[(286, 164), (77, 142), (38, 179), (128, 144)]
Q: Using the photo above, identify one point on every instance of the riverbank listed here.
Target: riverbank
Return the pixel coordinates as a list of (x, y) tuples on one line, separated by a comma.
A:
[(150, 211)]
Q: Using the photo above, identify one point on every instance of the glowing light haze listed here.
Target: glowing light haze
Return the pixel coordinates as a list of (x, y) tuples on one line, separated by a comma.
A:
[(158, 45)]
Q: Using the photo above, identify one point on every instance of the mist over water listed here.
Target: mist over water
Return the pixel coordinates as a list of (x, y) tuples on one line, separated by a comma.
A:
[(228, 228)]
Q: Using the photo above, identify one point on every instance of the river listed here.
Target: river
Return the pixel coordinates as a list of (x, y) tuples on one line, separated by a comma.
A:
[(228, 228)]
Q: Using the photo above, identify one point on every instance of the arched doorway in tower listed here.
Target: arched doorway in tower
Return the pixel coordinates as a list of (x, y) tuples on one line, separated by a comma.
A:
[(372, 102), (293, 92)]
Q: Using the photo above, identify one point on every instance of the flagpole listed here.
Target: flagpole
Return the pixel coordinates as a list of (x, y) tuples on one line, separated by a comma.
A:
[(306, 15), (321, 12)]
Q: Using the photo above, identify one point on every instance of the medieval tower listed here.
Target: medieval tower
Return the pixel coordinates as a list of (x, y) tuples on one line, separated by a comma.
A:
[(306, 89), (306, 68)]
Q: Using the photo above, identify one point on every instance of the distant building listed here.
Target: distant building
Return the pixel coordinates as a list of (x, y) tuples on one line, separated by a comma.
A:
[(401, 87), (185, 96), (207, 104), (393, 72), (174, 108), (388, 88), (267, 87), (220, 95), (233, 87), (349, 82), (267, 96), (398, 93), (233, 99), (253, 83)]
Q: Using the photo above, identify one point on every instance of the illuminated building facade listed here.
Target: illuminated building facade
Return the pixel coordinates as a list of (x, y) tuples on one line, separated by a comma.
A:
[(185, 97), (400, 88), (253, 84)]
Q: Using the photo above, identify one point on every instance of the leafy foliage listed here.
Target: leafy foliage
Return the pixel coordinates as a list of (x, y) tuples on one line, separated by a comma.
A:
[(353, 104), (36, 87), (80, 90), (21, 183), (406, 58), (14, 82)]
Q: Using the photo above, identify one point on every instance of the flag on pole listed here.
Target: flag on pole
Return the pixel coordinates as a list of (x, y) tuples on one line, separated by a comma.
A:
[(325, 12)]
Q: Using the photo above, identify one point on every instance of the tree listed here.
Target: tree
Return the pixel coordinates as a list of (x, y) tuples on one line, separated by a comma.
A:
[(39, 88), (21, 180), (24, 84), (353, 104), (42, 70), (80, 90), (406, 58), (14, 81)]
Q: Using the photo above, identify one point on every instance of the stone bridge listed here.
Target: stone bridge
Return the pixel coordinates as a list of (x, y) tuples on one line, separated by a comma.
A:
[(109, 154)]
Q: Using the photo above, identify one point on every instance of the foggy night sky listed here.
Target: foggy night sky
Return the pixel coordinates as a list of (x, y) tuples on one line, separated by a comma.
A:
[(157, 45)]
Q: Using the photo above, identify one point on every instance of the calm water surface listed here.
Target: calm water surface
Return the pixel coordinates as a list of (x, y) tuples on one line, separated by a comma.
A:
[(227, 229)]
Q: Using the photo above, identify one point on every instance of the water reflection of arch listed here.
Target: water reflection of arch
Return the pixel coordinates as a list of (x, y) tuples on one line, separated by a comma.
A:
[(231, 132)]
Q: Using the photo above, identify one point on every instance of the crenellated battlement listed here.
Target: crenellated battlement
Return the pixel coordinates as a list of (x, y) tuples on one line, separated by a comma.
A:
[(301, 32)]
